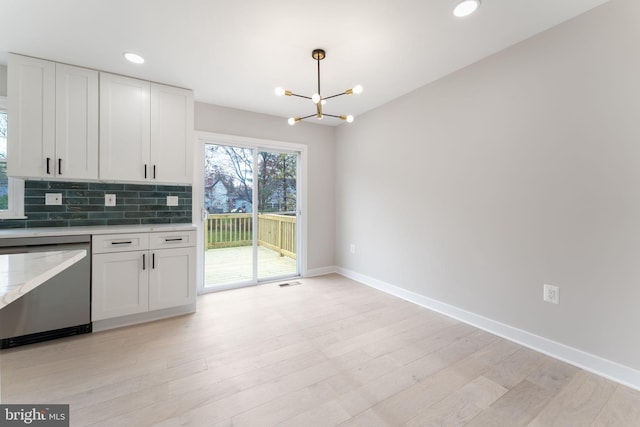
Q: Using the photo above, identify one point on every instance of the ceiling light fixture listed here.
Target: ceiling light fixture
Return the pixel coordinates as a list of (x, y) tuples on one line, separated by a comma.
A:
[(466, 8), (317, 98), (134, 57)]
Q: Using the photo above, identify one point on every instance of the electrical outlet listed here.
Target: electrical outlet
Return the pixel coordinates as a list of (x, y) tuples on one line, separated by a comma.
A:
[(109, 199), (551, 294), (53, 199), (352, 248), (172, 200)]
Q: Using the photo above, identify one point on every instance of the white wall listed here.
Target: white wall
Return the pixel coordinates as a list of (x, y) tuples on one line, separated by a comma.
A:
[(520, 170), (320, 141)]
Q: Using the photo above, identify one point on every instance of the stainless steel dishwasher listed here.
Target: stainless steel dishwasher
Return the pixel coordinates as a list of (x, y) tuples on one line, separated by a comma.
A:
[(57, 308)]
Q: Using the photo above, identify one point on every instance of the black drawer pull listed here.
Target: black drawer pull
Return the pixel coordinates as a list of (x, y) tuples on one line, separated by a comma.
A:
[(48, 165), (144, 262), (59, 166), (122, 243), (153, 260), (178, 239)]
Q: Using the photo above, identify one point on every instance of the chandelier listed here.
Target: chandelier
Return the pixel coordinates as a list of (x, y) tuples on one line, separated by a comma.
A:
[(317, 98)]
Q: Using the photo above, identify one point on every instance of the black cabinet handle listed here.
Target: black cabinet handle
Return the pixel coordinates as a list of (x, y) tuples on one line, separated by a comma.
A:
[(153, 260), (154, 171), (144, 262), (179, 239), (122, 243), (59, 166), (145, 171), (48, 165)]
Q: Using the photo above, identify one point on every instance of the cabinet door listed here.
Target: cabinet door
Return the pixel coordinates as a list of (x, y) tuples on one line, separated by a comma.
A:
[(31, 98), (172, 280), (120, 284), (76, 123), (124, 128), (171, 134)]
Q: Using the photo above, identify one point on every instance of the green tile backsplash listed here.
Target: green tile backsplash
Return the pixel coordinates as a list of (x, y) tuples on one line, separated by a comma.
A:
[(83, 204)]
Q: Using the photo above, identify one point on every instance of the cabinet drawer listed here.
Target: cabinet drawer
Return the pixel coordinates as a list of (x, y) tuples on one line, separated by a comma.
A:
[(172, 239), (119, 243)]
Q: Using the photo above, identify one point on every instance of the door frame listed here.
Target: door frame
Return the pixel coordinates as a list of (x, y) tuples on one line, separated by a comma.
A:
[(202, 138)]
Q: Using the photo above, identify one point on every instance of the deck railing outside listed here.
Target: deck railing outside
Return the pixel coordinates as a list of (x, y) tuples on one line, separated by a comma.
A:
[(276, 232)]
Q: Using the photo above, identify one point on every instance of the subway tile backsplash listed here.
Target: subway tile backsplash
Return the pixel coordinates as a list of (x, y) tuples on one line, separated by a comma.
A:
[(83, 204)]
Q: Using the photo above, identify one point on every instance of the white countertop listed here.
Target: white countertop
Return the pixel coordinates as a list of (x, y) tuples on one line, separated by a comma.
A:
[(21, 273), (98, 229)]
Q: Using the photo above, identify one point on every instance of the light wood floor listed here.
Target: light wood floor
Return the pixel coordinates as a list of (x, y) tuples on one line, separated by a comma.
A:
[(327, 352)]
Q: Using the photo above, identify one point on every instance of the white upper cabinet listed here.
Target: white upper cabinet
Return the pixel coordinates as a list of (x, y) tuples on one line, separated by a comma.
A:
[(76, 153), (124, 128), (31, 95), (145, 131), (73, 123), (171, 134), (53, 129)]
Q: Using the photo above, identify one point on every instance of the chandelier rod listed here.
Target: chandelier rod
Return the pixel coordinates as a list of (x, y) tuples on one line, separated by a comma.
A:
[(318, 60), (300, 96), (333, 96)]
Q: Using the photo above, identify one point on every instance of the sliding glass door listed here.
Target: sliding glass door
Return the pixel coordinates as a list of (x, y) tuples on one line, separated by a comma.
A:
[(277, 218), (250, 199)]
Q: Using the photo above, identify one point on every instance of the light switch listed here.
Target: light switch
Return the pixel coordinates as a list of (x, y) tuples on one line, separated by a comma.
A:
[(172, 200), (53, 199)]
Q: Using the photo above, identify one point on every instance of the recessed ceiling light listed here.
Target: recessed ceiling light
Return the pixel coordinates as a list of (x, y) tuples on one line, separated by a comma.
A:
[(466, 8), (134, 57)]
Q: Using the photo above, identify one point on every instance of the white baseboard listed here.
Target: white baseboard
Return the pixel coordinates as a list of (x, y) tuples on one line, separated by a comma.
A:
[(321, 271), (611, 370)]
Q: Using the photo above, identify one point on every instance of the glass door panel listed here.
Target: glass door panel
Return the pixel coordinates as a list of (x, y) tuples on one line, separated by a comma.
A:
[(277, 215), (228, 200)]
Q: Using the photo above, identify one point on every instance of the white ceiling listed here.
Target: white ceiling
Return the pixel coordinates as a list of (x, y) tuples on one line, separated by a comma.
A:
[(234, 52)]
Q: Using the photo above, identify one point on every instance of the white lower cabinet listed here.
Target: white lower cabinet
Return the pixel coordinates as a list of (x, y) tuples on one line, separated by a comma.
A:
[(120, 285), (140, 272), (169, 283)]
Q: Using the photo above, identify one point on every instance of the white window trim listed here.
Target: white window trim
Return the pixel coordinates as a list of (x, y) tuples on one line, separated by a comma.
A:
[(16, 188)]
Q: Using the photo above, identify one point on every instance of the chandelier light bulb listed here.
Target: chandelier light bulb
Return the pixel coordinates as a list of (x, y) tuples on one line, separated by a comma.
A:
[(349, 118), (315, 98), (291, 121), (357, 89), (324, 101), (279, 91), (466, 8)]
